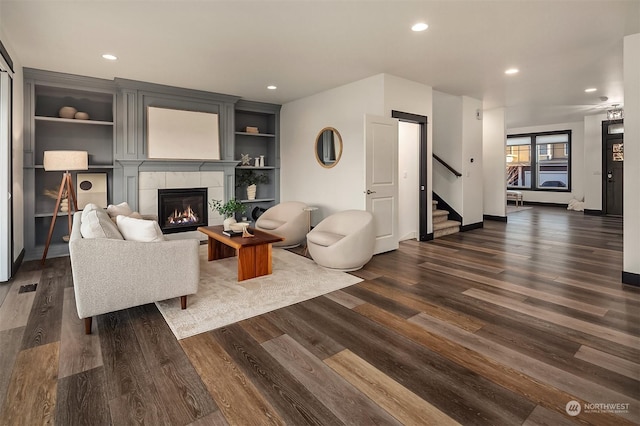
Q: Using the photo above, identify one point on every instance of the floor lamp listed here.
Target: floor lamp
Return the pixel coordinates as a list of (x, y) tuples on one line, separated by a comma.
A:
[(64, 161)]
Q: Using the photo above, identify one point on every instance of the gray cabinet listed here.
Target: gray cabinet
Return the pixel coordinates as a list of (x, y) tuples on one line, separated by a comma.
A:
[(45, 94), (265, 142)]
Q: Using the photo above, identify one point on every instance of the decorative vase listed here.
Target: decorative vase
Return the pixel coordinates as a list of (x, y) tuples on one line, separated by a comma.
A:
[(262, 161), (81, 115), (67, 112), (251, 192), (226, 224)]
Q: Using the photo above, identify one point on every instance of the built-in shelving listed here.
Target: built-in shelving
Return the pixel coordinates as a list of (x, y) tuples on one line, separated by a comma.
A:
[(266, 117), (45, 93)]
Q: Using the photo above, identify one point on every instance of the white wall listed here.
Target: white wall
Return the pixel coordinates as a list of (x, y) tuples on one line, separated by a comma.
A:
[(471, 162), (414, 98), (458, 139), (577, 163), (447, 144), (593, 161), (344, 107), (302, 178), (631, 212), (18, 124), (494, 162)]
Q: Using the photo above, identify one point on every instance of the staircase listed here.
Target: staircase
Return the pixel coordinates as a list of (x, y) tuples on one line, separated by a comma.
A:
[(441, 224)]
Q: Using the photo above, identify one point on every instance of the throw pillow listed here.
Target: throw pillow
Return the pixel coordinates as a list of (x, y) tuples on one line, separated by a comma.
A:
[(139, 229), (89, 207), (119, 209), (97, 224)]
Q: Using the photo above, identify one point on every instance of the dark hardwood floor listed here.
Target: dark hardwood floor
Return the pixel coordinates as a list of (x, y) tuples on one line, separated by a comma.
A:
[(503, 325)]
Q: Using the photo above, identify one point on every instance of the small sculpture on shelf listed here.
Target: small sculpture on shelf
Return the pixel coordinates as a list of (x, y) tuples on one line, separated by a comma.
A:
[(245, 160)]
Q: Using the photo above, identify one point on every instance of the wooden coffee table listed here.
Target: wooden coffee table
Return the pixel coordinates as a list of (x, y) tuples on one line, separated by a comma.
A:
[(254, 254)]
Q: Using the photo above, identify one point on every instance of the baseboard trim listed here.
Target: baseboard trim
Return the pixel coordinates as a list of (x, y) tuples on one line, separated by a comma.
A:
[(544, 204), (428, 237), (631, 278), (495, 218), (477, 225), (591, 212), (16, 264)]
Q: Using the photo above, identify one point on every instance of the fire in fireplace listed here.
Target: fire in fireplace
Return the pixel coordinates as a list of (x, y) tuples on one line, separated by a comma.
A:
[(182, 209)]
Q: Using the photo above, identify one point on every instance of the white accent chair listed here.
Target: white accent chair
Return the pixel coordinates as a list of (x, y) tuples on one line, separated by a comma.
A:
[(288, 220), (343, 241)]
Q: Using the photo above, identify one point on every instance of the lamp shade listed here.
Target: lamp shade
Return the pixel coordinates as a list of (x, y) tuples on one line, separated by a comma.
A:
[(65, 160)]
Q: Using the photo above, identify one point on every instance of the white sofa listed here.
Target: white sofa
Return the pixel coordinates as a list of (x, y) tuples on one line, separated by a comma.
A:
[(343, 241), (288, 220), (110, 273)]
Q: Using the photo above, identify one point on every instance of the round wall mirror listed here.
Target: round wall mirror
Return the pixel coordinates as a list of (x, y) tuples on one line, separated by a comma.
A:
[(328, 147)]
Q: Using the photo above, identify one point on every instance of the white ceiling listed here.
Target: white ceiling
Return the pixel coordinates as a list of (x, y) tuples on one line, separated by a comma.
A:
[(304, 47)]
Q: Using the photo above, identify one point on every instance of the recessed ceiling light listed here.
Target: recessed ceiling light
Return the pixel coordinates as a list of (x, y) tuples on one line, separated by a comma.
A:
[(110, 57), (512, 71), (420, 26), (272, 87), (590, 89)]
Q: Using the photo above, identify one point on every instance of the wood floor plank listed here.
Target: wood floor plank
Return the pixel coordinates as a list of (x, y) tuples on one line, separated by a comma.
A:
[(344, 400), (582, 388), (10, 341), (16, 307), (261, 329), (82, 399), (45, 320), (293, 402), (214, 419), (78, 351), (463, 321), (236, 396), (31, 394), (400, 402), (534, 390), (132, 395), (183, 395), (563, 320), (305, 332), (345, 299), (422, 371), (504, 285), (610, 362)]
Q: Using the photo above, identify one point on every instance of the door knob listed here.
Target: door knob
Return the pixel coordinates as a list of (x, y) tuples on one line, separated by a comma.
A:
[(368, 192)]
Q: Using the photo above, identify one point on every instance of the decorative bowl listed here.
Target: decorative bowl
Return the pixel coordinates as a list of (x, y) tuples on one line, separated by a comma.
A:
[(67, 112), (81, 116), (239, 227)]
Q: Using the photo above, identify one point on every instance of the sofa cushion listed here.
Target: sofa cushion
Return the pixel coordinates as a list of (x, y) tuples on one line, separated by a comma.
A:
[(97, 224), (119, 209), (323, 238), (270, 223), (89, 207), (139, 229)]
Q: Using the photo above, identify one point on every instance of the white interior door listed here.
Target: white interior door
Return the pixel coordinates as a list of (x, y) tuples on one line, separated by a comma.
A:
[(6, 256), (381, 179)]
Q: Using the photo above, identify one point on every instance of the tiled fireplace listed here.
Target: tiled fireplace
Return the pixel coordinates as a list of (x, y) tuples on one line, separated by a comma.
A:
[(210, 183), (182, 209)]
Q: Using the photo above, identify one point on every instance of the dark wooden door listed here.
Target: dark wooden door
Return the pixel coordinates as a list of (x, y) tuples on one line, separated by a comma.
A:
[(613, 168)]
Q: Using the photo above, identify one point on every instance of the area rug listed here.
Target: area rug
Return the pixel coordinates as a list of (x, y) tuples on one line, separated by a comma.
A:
[(222, 300)]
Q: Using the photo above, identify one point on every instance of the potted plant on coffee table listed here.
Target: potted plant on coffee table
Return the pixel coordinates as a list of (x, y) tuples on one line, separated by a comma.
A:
[(250, 180), (228, 210)]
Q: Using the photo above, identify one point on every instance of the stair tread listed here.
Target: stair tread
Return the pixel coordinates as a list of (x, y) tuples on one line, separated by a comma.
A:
[(440, 213), (446, 224)]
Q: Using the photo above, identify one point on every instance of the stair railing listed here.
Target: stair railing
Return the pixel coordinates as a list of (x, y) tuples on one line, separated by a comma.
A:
[(451, 169)]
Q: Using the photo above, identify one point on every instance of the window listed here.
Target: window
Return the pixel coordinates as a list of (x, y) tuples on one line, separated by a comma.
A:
[(548, 169)]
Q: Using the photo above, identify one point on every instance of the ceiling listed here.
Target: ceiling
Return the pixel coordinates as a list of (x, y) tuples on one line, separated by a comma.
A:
[(305, 47)]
